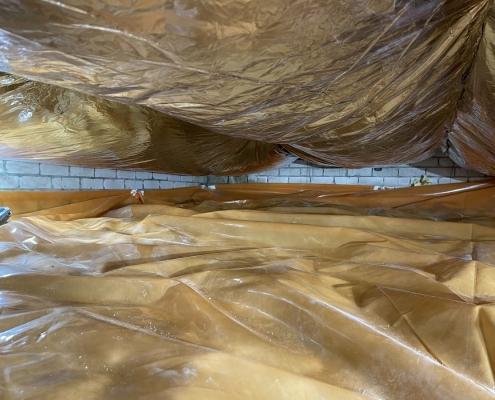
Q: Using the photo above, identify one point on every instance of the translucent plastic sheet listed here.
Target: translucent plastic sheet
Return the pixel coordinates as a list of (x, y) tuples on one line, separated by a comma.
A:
[(473, 134), (224, 294), (49, 123), (340, 82)]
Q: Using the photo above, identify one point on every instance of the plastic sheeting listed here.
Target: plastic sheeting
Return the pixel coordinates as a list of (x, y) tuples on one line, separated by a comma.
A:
[(243, 292), (340, 82), (473, 133), (46, 122)]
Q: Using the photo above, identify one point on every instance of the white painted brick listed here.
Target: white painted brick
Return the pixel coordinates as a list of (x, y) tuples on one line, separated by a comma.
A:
[(293, 172), (166, 185), (126, 174), (396, 182), (272, 172), (257, 179), (144, 175), (81, 171), (298, 179), (445, 172), (160, 176), (56, 182), (278, 179), (322, 179), (386, 172), (411, 171), (21, 167), (195, 179), (113, 184), (54, 170), (70, 183), (373, 180), (151, 184), (87, 183), (35, 182), (105, 173), (132, 184), (334, 172), (203, 179), (217, 179), (238, 179), (304, 171), (184, 178), (316, 172), (9, 182), (184, 184), (289, 172), (346, 180), (359, 172)]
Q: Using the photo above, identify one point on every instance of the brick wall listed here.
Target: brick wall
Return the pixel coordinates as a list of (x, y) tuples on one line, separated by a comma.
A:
[(31, 175), (40, 176), (439, 169)]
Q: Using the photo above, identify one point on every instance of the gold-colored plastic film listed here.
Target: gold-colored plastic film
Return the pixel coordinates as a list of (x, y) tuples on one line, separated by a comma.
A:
[(349, 83), (246, 293), (53, 124)]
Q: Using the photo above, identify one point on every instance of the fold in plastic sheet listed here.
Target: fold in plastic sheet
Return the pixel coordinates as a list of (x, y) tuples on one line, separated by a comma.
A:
[(347, 83), (472, 135), (225, 294), (49, 123)]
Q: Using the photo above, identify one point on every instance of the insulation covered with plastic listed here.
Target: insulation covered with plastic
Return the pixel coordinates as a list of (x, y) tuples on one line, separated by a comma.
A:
[(341, 82), (473, 133), (50, 123), (196, 294)]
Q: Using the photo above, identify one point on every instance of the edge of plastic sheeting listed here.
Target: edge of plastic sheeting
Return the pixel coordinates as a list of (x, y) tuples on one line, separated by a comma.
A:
[(83, 204)]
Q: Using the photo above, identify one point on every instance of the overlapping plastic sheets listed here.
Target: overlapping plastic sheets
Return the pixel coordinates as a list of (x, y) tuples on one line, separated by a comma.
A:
[(50, 123), (242, 292), (473, 133), (347, 83)]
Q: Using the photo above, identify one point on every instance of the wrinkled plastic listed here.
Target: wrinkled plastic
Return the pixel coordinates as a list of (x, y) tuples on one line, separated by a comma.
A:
[(49, 123), (347, 83), (472, 136), (223, 294)]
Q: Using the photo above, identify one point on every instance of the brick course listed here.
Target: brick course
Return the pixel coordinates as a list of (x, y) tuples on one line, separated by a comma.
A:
[(18, 175)]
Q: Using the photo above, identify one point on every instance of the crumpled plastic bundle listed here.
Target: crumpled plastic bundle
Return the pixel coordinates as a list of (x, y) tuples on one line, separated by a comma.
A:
[(248, 292), (54, 124), (339, 82), (473, 133)]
